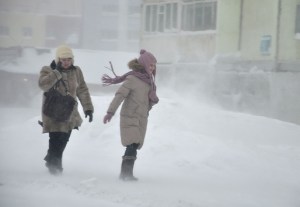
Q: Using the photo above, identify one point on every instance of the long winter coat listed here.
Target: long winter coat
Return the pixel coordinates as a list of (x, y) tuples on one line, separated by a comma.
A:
[(135, 109), (77, 87)]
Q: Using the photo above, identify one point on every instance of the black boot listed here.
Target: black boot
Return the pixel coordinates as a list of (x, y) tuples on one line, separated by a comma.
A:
[(127, 168), (57, 145), (54, 165)]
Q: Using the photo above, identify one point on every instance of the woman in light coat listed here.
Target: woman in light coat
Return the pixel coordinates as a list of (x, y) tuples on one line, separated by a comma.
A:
[(62, 69), (138, 94)]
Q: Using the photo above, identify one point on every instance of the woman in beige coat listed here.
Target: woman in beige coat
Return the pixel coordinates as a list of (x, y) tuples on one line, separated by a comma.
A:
[(138, 94), (62, 70)]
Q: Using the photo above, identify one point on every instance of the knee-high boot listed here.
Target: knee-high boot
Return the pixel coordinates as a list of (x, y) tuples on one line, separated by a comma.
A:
[(127, 168)]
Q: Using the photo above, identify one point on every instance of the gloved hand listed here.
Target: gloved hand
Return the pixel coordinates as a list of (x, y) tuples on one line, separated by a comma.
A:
[(107, 117), (90, 114)]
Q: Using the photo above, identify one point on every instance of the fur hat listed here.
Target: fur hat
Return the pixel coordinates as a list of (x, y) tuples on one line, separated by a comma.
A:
[(146, 59), (64, 51)]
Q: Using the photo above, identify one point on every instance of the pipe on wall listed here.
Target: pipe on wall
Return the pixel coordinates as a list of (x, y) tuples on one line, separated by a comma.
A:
[(278, 32), (241, 25)]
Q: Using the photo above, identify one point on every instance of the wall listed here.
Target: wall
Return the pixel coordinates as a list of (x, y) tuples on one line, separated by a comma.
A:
[(15, 22), (259, 18), (111, 25), (197, 47), (17, 14), (62, 29), (248, 21), (288, 44), (228, 27)]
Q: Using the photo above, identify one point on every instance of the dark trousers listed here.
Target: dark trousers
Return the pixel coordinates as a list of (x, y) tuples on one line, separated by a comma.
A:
[(131, 150), (57, 144)]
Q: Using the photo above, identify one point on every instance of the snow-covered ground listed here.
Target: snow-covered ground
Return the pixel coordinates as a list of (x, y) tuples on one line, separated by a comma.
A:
[(195, 155)]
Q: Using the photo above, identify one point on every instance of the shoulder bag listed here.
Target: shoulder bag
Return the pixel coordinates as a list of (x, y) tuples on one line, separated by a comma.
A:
[(58, 106)]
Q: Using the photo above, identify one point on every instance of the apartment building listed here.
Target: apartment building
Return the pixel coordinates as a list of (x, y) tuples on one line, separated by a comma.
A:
[(242, 54), (37, 23), (243, 30), (89, 24), (111, 25)]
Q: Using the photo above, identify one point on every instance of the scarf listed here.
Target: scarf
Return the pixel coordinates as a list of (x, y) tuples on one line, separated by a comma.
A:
[(153, 99)]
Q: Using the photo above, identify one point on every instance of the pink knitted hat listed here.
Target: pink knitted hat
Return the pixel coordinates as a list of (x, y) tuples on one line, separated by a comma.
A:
[(146, 59)]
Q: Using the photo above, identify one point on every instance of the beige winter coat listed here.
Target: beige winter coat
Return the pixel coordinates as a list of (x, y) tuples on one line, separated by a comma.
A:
[(134, 111), (77, 87)]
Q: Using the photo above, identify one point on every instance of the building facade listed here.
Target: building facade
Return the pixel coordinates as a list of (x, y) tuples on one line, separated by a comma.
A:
[(198, 30), (111, 25), (187, 28), (263, 33), (243, 54), (37, 23), (89, 24)]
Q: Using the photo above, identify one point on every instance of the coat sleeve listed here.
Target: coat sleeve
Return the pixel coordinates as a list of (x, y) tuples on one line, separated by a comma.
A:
[(120, 95), (82, 92), (48, 77)]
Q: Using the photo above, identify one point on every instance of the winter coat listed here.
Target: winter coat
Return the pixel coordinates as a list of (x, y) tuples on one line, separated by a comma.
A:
[(77, 87), (134, 112)]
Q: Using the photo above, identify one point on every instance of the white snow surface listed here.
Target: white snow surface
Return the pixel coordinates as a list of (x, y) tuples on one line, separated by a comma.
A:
[(195, 155)]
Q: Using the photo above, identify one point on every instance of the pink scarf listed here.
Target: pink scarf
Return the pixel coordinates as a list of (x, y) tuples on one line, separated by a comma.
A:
[(153, 99)]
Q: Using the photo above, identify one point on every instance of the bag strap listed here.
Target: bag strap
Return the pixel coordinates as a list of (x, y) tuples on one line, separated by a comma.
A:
[(62, 81), (66, 89)]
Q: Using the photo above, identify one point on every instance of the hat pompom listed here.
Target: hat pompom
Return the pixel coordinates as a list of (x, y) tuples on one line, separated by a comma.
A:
[(142, 51)]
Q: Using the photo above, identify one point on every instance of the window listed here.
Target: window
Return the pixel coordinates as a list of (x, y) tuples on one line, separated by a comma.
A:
[(27, 31), (161, 17), (265, 44), (4, 31), (171, 17), (195, 15), (199, 16)]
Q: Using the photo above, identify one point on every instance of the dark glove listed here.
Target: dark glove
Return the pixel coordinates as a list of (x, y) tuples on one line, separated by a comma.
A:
[(90, 114), (107, 117), (53, 65)]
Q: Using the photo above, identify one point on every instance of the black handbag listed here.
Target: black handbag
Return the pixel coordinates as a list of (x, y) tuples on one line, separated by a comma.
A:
[(58, 106)]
